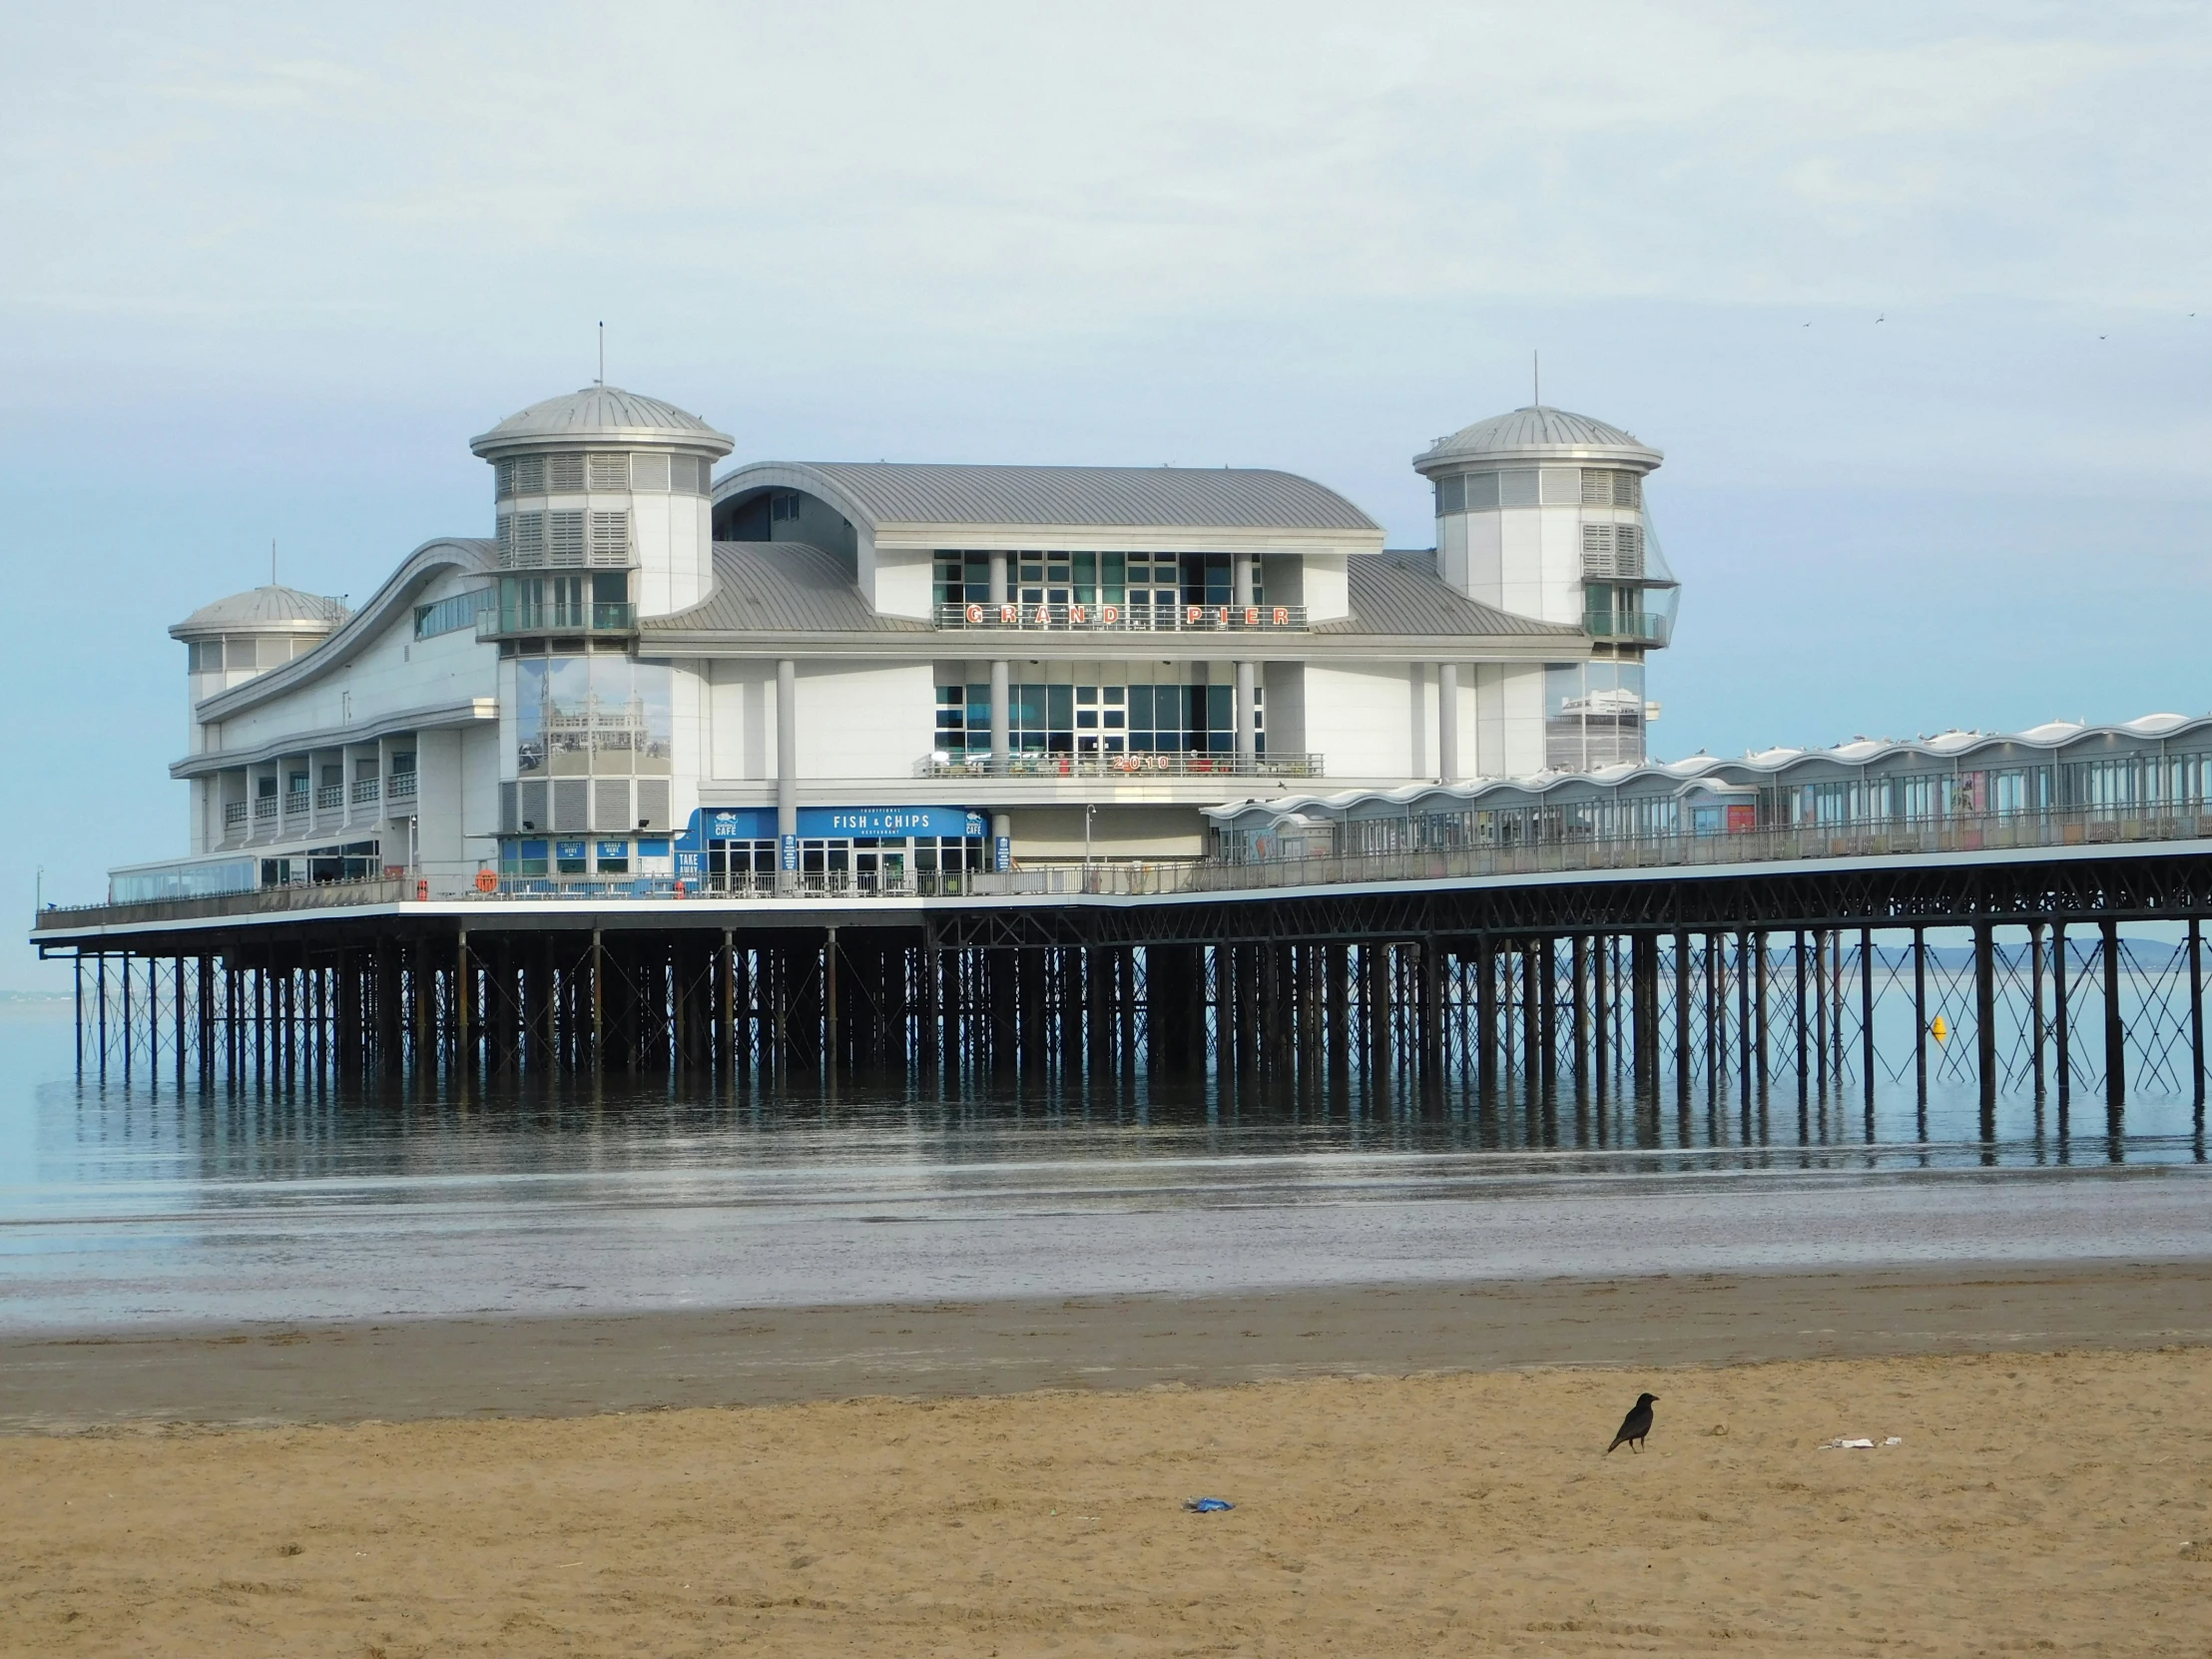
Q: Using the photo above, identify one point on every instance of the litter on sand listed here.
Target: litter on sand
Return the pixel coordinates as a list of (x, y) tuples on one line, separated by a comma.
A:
[(1859, 1444), (1207, 1505)]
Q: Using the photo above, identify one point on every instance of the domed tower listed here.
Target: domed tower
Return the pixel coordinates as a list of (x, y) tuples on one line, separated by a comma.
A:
[(602, 500), (250, 633), (1541, 512)]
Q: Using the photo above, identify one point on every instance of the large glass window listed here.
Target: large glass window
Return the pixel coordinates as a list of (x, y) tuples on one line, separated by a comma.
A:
[(1096, 718), (1593, 715), (600, 714)]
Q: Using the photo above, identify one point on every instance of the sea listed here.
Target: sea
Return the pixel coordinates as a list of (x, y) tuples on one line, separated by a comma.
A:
[(149, 1203)]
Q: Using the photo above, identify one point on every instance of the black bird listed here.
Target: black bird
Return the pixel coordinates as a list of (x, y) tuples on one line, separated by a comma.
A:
[(1636, 1424)]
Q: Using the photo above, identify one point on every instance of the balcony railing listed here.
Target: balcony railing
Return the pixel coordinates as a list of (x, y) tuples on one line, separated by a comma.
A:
[(295, 803), (1648, 627), (233, 814), (1125, 618), (329, 797), (264, 807), (402, 785), (1127, 768), (591, 617), (364, 792)]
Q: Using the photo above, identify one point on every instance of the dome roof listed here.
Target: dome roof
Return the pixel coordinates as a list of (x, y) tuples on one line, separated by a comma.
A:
[(601, 414), (1538, 433), (271, 610)]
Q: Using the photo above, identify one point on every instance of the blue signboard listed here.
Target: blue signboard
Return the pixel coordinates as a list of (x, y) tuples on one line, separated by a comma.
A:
[(613, 849), (790, 857), (757, 824), (1003, 854)]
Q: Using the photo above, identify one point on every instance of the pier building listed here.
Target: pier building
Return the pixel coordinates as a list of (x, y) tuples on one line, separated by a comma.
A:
[(894, 676)]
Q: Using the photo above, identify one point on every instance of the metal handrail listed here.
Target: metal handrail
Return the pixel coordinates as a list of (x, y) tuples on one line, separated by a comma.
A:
[(402, 785), (585, 617), (1116, 616), (1134, 766), (364, 790), (328, 795), (1651, 627), (233, 814)]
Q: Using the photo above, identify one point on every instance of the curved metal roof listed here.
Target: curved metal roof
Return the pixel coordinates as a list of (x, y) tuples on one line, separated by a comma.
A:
[(781, 588), (601, 414), (277, 610), (1538, 433), (892, 492), (1699, 769), (1402, 593)]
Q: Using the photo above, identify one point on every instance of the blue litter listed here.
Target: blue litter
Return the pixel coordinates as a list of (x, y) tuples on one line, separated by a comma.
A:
[(1207, 1505)]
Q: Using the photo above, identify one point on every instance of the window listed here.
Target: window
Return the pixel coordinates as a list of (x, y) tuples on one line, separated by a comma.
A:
[(564, 472), (451, 615), (1452, 496), (1593, 715), (610, 538), (608, 473), (963, 578), (782, 506), (1093, 719)]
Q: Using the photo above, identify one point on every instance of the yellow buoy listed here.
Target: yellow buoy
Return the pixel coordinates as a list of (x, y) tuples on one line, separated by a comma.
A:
[(1938, 1030)]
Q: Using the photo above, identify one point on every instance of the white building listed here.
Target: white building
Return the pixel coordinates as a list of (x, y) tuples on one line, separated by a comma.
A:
[(881, 673)]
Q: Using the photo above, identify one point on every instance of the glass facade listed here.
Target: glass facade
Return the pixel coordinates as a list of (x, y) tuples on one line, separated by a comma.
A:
[(1593, 713), (1097, 720), (600, 716), (1162, 581)]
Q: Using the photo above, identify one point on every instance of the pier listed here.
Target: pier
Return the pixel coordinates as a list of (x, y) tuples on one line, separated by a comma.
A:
[(1617, 978)]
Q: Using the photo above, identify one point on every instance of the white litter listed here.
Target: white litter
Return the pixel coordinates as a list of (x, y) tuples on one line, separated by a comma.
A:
[(1848, 1445), (1895, 1439)]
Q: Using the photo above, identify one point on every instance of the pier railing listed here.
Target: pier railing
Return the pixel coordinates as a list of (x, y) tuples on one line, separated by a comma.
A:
[(1996, 832)]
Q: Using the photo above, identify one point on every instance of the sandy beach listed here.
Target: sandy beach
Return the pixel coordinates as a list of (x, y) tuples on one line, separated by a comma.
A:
[(2052, 1491)]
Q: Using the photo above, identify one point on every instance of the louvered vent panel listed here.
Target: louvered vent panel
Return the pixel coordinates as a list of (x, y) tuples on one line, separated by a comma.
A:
[(529, 539), (1482, 490), (570, 804), (564, 472), (1628, 490), (1597, 487), (1562, 486), (608, 473), (529, 474), (610, 803), (506, 541), (649, 473), (504, 472), (533, 806), (610, 538), (653, 804), (566, 540)]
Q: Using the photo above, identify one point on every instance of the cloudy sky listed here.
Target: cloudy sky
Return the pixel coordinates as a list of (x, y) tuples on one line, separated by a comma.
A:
[(1908, 294)]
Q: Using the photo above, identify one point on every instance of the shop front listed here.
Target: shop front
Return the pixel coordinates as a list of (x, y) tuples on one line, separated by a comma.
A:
[(860, 850)]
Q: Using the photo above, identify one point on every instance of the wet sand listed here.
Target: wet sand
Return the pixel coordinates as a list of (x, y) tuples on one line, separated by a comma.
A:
[(407, 1369)]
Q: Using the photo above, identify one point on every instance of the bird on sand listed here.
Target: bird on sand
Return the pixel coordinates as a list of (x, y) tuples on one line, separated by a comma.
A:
[(1636, 1424)]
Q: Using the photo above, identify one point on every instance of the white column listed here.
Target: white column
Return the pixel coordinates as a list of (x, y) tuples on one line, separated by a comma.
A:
[(1248, 728), (1002, 716), (786, 765), (1002, 725), (1448, 723)]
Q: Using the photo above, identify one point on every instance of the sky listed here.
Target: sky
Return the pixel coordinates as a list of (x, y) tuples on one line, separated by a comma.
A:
[(1913, 298)]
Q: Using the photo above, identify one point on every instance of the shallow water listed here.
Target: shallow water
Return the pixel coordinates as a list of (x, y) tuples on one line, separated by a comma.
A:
[(137, 1204)]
